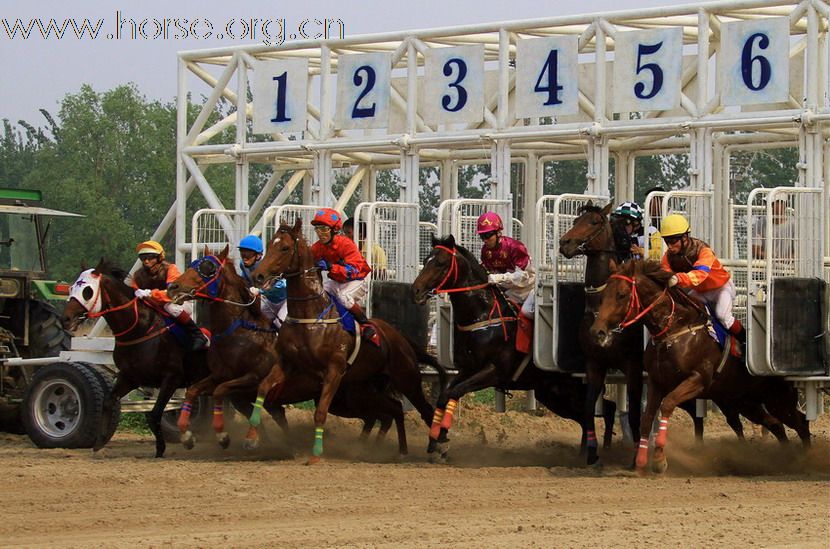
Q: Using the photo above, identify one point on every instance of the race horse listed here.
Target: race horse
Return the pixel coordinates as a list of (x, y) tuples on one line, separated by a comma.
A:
[(484, 350), (684, 362), (313, 342), (593, 236), (147, 353), (244, 349)]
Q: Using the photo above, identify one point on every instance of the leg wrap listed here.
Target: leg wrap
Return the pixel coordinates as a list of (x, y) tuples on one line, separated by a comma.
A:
[(591, 439), (257, 412), (446, 421), (642, 454), (435, 428), (662, 433), (317, 450), (218, 418), (184, 416)]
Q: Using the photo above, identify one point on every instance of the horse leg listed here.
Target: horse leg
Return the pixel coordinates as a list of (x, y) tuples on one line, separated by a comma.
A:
[(691, 408), (595, 381), (119, 389), (274, 379), (755, 412), (634, 390), (609, 412), (688, 389), (193, 392), (168, 387), (220, 392), (733, 419), (653, 399), (331, 382), (783, 404)]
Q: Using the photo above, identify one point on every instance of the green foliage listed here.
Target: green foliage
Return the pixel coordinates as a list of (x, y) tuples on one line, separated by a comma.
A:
[(135, 422)]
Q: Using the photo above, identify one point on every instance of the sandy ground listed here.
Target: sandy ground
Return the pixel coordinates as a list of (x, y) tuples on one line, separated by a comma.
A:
[(514, 481)]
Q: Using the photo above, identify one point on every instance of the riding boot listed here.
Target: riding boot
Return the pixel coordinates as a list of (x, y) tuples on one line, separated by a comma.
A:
[(198, 339), (524, 334), (367, 329), (737, 329)]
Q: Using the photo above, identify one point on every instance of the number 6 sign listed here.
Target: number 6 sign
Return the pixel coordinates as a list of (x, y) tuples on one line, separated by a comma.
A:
[(754, 62), (647, 70)]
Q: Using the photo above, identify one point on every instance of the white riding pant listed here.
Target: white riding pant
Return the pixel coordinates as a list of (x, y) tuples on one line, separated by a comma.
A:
[(175, 309), (722, 300), (275, 312), (347, 293)]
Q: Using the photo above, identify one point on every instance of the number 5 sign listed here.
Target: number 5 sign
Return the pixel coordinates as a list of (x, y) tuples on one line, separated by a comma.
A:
[(280, 92), (647, 69), (754, 62)]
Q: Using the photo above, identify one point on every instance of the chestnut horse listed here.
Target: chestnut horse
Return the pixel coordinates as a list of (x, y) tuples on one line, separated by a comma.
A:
[(245, 348), (684, 362), (484, 349), (593, 236), (146, 353), (313, 342)]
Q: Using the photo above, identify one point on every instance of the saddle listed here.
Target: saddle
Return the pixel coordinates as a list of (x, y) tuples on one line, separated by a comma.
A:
[(720, 334), (349, 323)]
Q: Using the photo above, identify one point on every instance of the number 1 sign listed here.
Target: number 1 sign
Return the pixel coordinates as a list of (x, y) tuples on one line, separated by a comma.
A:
[(280, 90)]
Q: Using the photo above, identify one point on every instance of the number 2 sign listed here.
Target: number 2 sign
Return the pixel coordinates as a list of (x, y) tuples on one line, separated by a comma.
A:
[(363, 91), (754, 62), (647, 70)]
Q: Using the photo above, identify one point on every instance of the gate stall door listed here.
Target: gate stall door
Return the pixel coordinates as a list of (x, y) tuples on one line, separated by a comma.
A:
[(786, 288), (288, 214), (217, 229), (560, 284)]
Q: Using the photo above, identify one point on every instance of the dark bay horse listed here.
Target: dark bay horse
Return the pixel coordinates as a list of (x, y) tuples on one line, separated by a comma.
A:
[(684, 362), (245, 348), (146, 353), (484, 348), (313, 343)]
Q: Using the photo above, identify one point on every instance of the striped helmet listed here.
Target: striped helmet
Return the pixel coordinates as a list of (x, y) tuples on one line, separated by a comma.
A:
[(629, 209)]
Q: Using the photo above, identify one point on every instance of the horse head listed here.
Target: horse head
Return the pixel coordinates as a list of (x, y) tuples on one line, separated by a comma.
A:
[(633, 293), (203, 275), (287, 255), (85, 295), (591, 232), (448, 266)]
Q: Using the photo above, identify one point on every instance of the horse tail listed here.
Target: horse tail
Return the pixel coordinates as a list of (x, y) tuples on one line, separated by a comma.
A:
[(430, 360)]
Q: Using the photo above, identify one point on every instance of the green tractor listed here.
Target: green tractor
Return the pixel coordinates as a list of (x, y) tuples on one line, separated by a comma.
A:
[(54, 400)]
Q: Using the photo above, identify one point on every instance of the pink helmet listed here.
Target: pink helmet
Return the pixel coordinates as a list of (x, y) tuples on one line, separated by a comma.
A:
[(488, 222)]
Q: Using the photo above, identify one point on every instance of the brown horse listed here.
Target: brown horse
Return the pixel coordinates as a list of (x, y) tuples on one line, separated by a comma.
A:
[(684, 362), (245, 348), (146, 353), (484, 349), (313, 343)]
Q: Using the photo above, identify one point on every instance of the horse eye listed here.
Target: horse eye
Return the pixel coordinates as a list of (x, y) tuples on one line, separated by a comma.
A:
[(285, 248), (87, 293)]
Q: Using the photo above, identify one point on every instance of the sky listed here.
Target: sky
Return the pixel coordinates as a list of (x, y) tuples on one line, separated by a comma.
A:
[(38, 72)]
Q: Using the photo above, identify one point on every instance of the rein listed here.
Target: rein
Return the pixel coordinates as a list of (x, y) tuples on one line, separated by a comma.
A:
[(134, 303), (634, 305), (453, 270)]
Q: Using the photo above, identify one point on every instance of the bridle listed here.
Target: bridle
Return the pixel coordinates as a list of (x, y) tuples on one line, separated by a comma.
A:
[(452, 272), (635, 309)]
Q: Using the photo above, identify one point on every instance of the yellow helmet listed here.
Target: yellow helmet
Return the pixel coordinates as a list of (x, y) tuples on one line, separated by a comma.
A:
[(673, 225), (150, 247)]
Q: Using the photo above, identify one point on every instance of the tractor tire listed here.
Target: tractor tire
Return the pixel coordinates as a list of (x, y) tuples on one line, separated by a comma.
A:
[(62, 406), (107, 380), (46, 334)]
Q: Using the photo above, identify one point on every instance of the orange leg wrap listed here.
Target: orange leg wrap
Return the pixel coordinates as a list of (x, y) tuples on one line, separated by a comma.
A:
[(218, 417), (446, 421), (662, 433), (435, 428), (184, 416), (642, 454)]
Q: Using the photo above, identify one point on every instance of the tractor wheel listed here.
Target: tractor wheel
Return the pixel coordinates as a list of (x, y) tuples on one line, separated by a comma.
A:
[(107, 380), (46, 334), (62, 406)]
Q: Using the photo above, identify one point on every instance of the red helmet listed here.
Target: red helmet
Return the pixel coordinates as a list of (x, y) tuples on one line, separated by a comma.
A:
[(489, 222), (328, 217)]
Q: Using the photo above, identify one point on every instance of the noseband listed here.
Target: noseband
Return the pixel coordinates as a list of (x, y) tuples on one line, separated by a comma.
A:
[(453, 271), (635, 307)]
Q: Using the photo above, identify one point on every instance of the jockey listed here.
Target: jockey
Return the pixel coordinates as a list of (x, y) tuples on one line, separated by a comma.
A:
[(629, 217), (338, 254), (150, 282), (273, 301), (510, 267), (698, 270)]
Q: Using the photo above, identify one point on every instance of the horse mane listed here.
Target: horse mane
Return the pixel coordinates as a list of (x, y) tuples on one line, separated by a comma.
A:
[(106, 267), (590, 207), (477, 269)]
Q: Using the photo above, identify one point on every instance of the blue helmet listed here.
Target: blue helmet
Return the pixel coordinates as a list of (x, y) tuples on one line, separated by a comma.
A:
[(251, 242)]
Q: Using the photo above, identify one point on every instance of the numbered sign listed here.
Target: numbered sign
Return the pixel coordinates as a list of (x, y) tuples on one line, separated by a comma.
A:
[(280, 90), (754, 61), (647, 69), (363, 91), (546, 76), (454, 85)]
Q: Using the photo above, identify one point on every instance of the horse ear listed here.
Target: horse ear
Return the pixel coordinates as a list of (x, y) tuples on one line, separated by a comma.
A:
[(607, 209), (451, 241), (588, 204), (433, 239), (102, 263), (206, 251), (614, 265), (298, 224), (224, 253), (83, 266)]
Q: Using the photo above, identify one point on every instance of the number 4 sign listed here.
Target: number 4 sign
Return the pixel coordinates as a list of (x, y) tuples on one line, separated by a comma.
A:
[(647, 70), (546, 76), (754, 62)]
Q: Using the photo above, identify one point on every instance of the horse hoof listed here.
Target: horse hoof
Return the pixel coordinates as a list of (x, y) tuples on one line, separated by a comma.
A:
[(251, 444), (660, 466), (596, 466), (187, 440), (313, 460), (223, 439)]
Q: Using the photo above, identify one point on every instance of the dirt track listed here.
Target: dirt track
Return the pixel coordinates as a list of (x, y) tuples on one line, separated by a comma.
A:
[(514, 481)]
